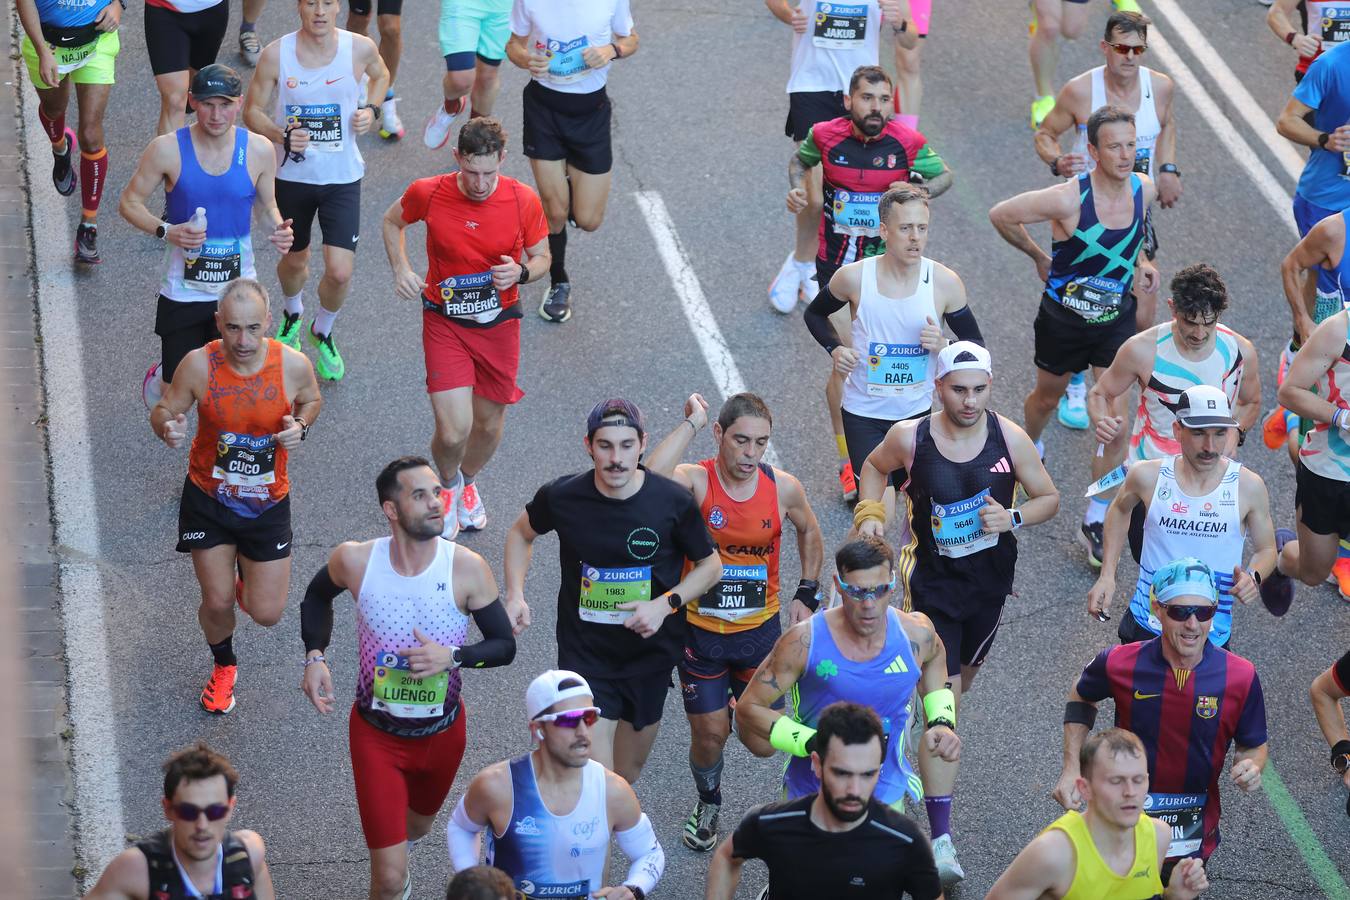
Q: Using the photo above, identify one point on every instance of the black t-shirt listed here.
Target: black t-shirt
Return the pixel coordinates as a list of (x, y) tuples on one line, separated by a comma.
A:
[(884, 858), (611, 551)]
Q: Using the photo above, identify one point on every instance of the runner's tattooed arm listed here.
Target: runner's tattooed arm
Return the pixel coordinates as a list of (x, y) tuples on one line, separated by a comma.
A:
[(755, 715)]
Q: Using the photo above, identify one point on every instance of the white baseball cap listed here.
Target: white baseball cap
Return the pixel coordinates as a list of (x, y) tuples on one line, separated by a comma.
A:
[(554, 686), (964, 355), (1204, 406)]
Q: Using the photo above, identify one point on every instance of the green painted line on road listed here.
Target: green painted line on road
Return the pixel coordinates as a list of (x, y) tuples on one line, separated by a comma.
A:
[(1324, 870)]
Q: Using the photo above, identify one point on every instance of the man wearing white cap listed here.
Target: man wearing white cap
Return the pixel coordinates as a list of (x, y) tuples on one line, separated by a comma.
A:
[(964, 463), (1198, 503), (558, 853)]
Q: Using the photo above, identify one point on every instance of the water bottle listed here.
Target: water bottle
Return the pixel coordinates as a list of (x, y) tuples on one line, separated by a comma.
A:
[(1080, 146), (198, 222)]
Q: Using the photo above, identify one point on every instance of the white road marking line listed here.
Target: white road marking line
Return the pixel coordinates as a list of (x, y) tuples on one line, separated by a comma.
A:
[(716, 353), (98, 790)]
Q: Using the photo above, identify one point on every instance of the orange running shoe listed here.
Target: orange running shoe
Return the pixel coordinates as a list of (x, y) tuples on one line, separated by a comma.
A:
[(847, 481), (218, 695), (1275, 429), (1340, 573)]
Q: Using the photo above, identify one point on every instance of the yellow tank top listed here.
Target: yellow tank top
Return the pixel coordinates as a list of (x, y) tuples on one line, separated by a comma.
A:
[(1095, 880)]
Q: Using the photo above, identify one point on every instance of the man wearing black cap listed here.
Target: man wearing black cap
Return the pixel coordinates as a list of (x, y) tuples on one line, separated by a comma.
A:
[(226, 171), (624, 534)]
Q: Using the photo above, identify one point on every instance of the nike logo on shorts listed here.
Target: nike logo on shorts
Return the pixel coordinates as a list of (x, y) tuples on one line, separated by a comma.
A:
[(283, 546)]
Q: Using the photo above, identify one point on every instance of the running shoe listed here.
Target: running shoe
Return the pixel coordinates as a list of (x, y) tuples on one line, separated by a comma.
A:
[(944, 854), (763, 893), (1072, 411), (700, 829), (1277, 589), (152, 387), (289, 332), (407, 886), (470, 510), (847, 482), (785, 287), (1340, 576), (250, 48), (63, 172), (1287, 354), (557, 303), (1126, 6), (1275, 428), (437, 130), (86, 244), (1090, 536), (330, 365), (450, 509), (391, 126), (218, 695), (810, 287), (1040, 108)]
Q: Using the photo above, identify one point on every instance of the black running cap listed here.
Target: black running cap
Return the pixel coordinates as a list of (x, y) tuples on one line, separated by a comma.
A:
[(217, 80), (615, 411)]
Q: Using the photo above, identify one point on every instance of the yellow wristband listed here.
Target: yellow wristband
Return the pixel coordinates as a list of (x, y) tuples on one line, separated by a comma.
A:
[(940, 705), (869, 509), (791, 736)]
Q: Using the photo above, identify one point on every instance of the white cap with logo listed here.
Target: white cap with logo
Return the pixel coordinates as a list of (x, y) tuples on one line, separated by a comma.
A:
[(964, 355), (554, 686), (1204, 406)]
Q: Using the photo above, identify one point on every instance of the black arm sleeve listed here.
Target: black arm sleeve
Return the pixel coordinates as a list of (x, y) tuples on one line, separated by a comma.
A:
[(316, 611), (963, 325), (498, 646), (817, 318)]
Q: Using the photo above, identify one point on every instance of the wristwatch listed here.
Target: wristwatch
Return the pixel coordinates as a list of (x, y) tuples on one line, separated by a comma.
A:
[(638, 893), (304, 428), (1322, 140), (1170, 169), (1340, 756), (162, 231), (1016, 518), (675, 600), (374, 110), (524, 274)]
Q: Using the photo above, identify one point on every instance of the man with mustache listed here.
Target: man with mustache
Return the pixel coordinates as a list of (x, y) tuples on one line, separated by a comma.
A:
[(553, 810), (1199, 503), (840, 835), (624, 534)]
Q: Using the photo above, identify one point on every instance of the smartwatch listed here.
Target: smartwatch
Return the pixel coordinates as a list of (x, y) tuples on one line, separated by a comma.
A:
[(1170, 169), (1340, 756), (304, 427), (524, 274), (374, 110), (637, 892), (1016, 518), (675, 600), (162, 231), (1322, 140)]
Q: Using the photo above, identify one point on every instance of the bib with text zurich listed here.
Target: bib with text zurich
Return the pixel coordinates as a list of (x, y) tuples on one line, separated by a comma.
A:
[(840, 26), (742, 591), (323, 121), (245, 461), (396, 691), (1094, 297), (894, 368), (566, 63), (602, 590), (1185, 813), (956, 527), (217, 264), (470, 297), (856, 214), (1335, 24)]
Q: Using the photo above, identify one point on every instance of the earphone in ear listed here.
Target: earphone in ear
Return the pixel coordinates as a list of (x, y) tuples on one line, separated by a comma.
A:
[(539, 734)]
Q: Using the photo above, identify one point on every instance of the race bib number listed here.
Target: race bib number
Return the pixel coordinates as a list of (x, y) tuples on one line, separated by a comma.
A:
[(1185, 814), (470, 297), (1335, 24), (1143, 161), (604, 589), (68, 59), (956, 527), (1094, 297), (538, 890), (1108, 481), (856, 215), (894, 368), (743, 591), (217, 264), (566, 62), (395, 691), (323, 121), (245, 461), (840, 26)]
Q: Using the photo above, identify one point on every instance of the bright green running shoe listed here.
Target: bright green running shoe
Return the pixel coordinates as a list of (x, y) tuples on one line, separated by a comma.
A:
[(330, 366), (1040, 108), (289, 332), (1126, 6)]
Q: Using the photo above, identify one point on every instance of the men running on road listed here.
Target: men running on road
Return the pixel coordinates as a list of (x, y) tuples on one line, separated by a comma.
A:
[(415, 594), (196, 856), (568, 51), (1326, 693), (225, 170), (865, 652), (744, 502), (839, 835), (1187, 700), (317, 72), (390, 25), (1087, 308), (73, 42), (182, 37), (1196, 502), (553, 811), (624, 534), (473, 35), (1051, 19), (486, 234), (1110, 851), (256, 401)]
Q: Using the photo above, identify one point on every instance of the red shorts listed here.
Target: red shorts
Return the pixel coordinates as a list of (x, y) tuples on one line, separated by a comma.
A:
[(395, 774), (485, 359)]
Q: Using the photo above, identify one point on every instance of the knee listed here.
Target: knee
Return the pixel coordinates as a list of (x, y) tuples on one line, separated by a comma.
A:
[(1048, 28), (1042, 399), (174, 99), (459, 81), (391, 28), (90, 135), (339, 273), (709, 739), (485, 76), (387, 878), (588, 221), (452, 434), (215, 603), (264, 611)]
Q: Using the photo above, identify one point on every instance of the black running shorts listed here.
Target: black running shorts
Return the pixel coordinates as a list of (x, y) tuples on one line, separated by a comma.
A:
[(337, 205), (204, 522), (571, 127), (177, 42)]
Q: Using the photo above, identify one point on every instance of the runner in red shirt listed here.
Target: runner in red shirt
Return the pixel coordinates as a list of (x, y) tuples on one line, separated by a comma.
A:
[(486, 234)]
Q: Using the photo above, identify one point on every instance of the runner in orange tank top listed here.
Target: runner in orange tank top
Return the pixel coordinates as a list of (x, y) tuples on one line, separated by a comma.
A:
[(734, 626), (256, 400)]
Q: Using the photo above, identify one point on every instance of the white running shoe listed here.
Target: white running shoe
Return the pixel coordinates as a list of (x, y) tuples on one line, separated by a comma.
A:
[(810, 287), (152, 388), (450, 508), (391, 126), (944, 854), (471, 512), (437, 130), (783, 291)]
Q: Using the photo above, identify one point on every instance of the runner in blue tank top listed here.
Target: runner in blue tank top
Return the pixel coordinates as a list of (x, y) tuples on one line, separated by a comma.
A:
[(864, 652)]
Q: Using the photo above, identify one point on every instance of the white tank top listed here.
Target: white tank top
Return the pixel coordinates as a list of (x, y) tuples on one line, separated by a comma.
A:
[(1208, 528), (1326, 450), (322, 101), (894, 378), (1330, 21), (839, 38), (1173, 373), (1146, 124)]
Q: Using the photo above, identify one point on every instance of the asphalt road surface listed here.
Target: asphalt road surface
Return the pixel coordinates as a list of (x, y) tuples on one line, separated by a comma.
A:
[(698, 121)]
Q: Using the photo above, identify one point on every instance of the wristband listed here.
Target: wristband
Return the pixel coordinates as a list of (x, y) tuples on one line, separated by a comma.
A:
[(313, 659), (1339, 419), (1054, 166), (1077, 712), (618, 55), (869, 509), (1289, 38), (939, 708), (792, 737), (690, 424), (1340, 756), (808, 594)]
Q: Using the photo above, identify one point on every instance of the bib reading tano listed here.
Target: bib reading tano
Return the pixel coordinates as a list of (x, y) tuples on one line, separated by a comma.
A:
[(603, 589), (397, 692), (856, 214)]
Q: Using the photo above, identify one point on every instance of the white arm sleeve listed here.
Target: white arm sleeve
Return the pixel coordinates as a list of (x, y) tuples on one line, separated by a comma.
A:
[(462, 834), (648, 860)]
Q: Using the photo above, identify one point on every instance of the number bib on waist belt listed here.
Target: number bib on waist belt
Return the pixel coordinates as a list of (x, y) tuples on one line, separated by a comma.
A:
[(1093, 296), (398, 692), (468, 297), (840, 26), (603, 589)]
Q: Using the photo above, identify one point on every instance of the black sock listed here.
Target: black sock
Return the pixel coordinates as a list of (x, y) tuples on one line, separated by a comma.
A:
[(557, 246), (223, 653)]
